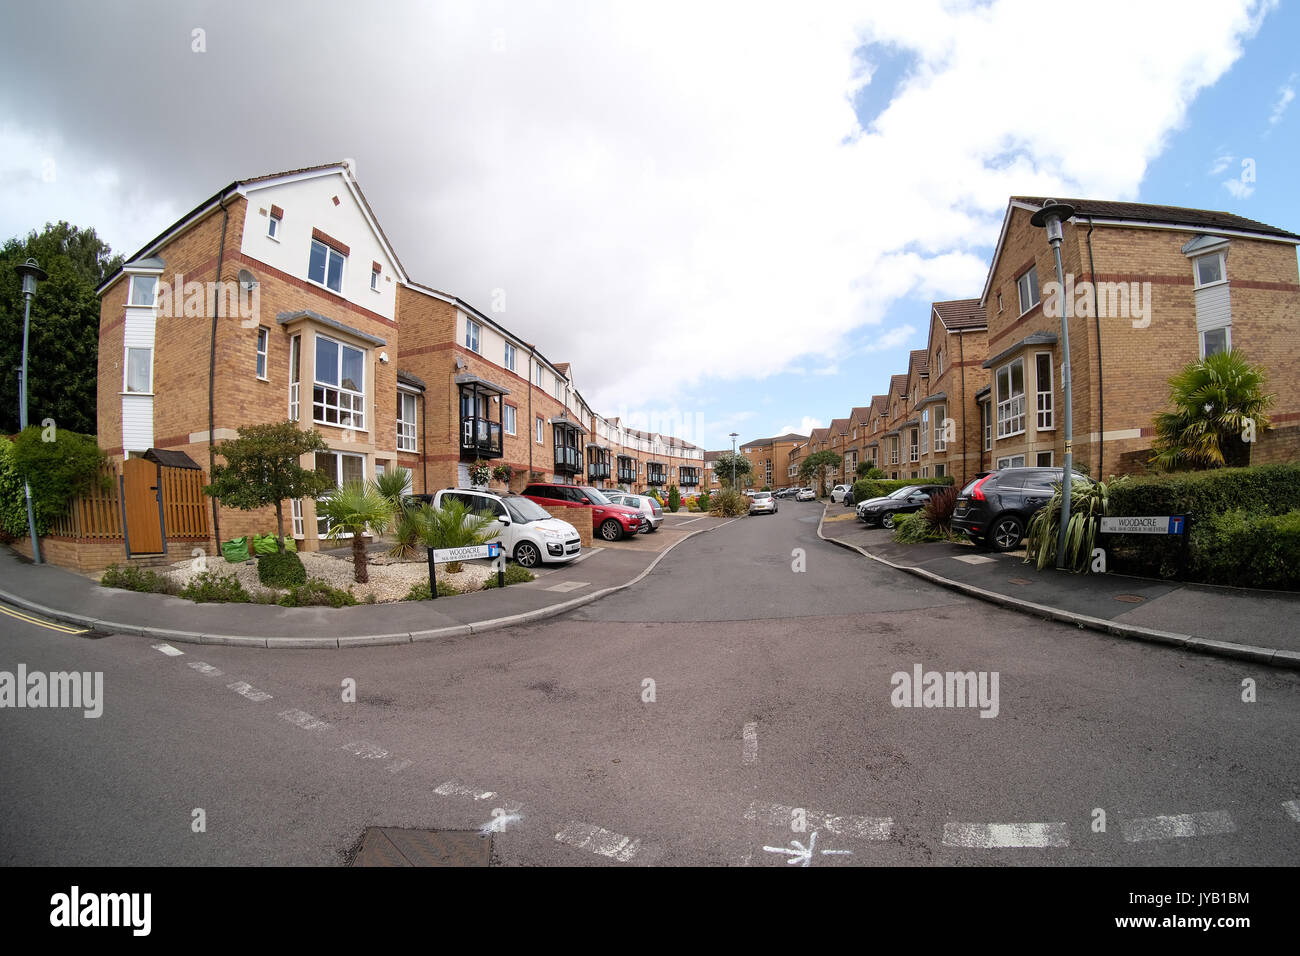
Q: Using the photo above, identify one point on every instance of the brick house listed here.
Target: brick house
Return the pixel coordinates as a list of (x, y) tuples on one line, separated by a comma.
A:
[(950, 423)]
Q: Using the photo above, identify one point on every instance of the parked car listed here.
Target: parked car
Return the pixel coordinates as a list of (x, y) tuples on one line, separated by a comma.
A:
[(838, 492), (650, 509), (762, 503), (848, 497), (805, 494), (904, 500), (612, 522), (994, 510), (529, 534)]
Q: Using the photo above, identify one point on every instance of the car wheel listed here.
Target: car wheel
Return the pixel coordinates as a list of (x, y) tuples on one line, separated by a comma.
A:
[(527, 555), (611, 530), (1005, 533), (887, 520)]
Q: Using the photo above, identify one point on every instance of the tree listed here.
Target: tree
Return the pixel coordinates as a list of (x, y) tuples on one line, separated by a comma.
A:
[(262, 469), (722, 469), (63, 341), (59, 466), (819, 463), (1219, 407), (674, 499), (353, 510), (455, 526)]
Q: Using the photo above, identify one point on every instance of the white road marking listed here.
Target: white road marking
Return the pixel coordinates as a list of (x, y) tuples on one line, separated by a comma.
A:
[(682, 524), (598, 840), (862, 828), (566, 586), (453, 789), (1292, 808), (502, 817), (974, 558), (300, 718), (205, 668), (996, 836), (749, 752), (366, 751), (168, 650), (398, 766), (249, 691), (1178, 826), (801, 855), (582, 557)]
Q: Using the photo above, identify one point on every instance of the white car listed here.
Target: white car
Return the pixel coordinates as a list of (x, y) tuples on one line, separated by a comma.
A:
[(838, 492), (650, 509), (529, 534), (805, 494)]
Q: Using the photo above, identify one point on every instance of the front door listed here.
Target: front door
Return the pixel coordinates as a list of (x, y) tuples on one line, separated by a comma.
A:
[(140, 497)]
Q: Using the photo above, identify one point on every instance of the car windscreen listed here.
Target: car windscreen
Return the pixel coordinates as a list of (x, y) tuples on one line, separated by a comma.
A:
[(596, 497), (904, 492), (524, 511)]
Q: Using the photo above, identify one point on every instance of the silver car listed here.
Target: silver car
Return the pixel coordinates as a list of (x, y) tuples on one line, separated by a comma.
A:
[(651, 511), (761, 503)]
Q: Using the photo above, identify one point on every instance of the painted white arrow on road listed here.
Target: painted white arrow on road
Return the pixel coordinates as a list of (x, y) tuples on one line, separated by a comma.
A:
[(801, 855)]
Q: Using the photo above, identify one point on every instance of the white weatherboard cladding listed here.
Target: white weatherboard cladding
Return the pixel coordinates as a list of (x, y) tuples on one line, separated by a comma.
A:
[(1213, 307), (308, 204), (138, 328), (137, 422)]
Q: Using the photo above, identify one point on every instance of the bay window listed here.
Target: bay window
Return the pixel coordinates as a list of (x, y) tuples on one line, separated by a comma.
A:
[(1011, 399), (338, 397), (1043, 384), (406, 424)]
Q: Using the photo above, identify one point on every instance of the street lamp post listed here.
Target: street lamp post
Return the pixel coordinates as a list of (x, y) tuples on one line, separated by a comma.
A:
[(733, 436), (1050, 218), (31, 273)]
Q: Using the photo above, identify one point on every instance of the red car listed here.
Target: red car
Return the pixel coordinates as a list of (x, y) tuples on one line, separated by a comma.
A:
[(612, 522)]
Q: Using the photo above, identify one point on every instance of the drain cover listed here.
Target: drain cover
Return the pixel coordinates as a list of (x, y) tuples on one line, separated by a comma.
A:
[(1129, 598), (390, 846), (1021, 581)]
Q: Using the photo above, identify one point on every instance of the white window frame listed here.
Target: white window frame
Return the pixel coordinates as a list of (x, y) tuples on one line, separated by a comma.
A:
[(473, 335), (407, 429), (940, 416), (126, 370), (540, 429), (511, 354), (1010, 462), (1223, 270), (509, 419), (273, 232), (130, 292), (1045, 417), (913, 447), (263, 350), (1226, 328), (986, 423), (295, 378), (894, 442), (1038, 459), (537, 375), (296, 522), (1020, 289), (925, 429), (374, 280), (322, 523), (338, 407), (1010, 412), (329, 251)]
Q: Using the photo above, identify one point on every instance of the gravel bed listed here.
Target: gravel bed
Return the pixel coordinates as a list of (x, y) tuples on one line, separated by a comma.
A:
[(389, 581)]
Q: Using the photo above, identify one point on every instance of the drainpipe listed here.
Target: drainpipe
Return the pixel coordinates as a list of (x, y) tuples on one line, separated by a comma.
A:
[(961, 357), (532, 425), (424, 446), (1101, 391), (212, 372)]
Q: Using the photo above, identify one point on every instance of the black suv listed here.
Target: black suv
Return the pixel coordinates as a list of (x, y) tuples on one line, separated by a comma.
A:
[(994, 510)]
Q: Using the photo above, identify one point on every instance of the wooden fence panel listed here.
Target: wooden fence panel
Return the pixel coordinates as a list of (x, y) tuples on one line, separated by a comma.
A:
[(184, 505), (97, 514)]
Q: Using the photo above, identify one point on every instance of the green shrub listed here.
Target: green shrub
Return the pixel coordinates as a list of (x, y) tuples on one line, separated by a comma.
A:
[(132, 578), (209, 586), (58, 471), (420, 592), (318, 593), (1246, 550), (912, 528), (729, 503), (514, 575), (277, 570), (1259, 490), (937, 512), (1089, 503), (674, 499), (703, 501), (867, 488)]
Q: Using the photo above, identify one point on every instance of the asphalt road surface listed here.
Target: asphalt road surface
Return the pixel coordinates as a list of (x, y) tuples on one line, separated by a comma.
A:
[(767, 736)]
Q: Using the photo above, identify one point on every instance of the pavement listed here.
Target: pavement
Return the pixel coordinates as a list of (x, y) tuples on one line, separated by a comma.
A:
[(1241, 623), (78, 600)]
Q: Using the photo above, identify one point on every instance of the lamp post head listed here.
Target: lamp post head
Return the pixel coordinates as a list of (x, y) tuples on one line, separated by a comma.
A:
[(31, 273), (1051, 216)]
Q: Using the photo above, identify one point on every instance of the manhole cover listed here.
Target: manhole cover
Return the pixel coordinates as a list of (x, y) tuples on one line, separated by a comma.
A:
[(390, 846), (1020, 581), (1129, 598)]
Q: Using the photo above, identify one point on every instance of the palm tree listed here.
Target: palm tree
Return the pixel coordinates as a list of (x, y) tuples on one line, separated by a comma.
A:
[(454, 526), (1089, 502), (406, 531), (392, 485), (1216, 401), (351, 510)]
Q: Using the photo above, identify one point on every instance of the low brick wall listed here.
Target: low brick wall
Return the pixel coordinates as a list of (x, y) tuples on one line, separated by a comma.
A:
[(580, 518), (91, 555)]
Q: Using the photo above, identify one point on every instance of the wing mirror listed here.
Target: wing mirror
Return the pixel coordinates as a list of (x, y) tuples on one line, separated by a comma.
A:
[(586, 500)]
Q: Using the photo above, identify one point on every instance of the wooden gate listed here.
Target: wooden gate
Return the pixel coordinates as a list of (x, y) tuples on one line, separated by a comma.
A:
[(141, 500)]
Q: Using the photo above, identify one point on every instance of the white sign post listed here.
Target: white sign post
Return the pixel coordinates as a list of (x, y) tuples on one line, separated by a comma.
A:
[(472, 553)]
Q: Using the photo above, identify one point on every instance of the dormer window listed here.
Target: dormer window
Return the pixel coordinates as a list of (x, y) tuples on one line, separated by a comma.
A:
[(143, 290), (1209, 270)]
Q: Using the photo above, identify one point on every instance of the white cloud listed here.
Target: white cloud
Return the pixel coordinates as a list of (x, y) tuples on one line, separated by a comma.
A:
[(1285, 95), (1220, 164), (707, 185), (805, 426), (1238, 188)]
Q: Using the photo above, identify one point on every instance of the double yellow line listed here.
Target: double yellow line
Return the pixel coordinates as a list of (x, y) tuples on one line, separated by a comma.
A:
[(48, 625)]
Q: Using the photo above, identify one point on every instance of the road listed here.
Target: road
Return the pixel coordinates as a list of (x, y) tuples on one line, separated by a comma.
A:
[(770, 706)]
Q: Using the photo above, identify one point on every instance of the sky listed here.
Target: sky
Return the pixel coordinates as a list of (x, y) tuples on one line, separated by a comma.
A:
[(726, 216)]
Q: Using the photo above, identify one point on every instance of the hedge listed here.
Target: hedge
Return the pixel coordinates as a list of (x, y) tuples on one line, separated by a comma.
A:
[(865, 488), (1248, 550), (1260, 491)]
